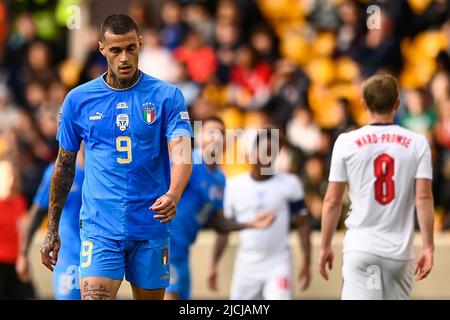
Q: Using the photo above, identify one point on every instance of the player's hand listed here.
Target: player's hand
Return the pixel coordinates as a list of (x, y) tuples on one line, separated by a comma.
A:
[(50, 249), (212, 280), (326, 258), (22, 267), (304, 276), (424, 264), (165, 207), (263, 221)]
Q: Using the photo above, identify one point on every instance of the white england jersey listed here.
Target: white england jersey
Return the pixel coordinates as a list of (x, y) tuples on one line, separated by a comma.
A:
[(245, 198), (380, 164)]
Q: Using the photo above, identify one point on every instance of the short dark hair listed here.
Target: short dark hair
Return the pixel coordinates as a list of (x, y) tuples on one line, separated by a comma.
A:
[(118, 24), (264, 134), (380, 93)]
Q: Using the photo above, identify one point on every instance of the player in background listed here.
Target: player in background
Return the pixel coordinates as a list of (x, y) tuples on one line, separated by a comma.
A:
[(66, 282), (262, 268), (387, 169), (138, 160), (202, 204)]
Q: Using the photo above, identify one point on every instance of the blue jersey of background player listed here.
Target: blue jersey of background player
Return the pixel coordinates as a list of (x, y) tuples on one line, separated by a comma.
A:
[(128, 121), (201, 204), (66, 284)]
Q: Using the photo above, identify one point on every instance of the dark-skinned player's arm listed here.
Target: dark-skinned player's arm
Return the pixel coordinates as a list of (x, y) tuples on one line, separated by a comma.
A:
[(220, 245), (222, 224), (36, 215), (331, 211), (181, 169), (301, 223), (425, 217), (62, 179)]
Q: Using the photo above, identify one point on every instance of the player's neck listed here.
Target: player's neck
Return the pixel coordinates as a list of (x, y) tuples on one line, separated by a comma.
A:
[(256, 175), (112, 80), (212, 166), (381, 118)]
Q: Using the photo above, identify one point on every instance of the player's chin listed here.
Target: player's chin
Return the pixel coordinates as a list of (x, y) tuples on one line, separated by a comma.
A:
[(125, 74)]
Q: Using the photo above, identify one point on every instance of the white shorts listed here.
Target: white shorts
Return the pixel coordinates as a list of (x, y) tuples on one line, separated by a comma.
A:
[(370, 277), (272, 283)]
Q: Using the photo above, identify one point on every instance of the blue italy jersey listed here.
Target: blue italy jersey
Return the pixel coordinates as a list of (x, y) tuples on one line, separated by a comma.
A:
[(202, 197), (69, 225), (126, 134)]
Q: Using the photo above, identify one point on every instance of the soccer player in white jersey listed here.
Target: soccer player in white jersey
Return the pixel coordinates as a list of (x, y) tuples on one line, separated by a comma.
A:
[(388, 172), (263, 262)]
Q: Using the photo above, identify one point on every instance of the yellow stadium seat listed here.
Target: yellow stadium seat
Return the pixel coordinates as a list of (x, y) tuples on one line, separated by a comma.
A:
[(346, 69), (419, 6), (321, 71), (324, 44)]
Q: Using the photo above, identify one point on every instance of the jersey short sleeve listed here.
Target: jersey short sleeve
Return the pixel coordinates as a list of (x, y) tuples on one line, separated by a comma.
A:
[(424, 167), (42, 195), (338, 171), (296, 196), (228, 210), (178, 124), (68, 134)]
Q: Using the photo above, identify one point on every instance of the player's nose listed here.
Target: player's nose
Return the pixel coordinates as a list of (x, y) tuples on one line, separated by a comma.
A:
[(124, 56)]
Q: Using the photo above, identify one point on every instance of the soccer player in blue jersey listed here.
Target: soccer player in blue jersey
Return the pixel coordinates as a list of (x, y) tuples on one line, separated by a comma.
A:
[(137, 137), (202, 204), (66, 284)]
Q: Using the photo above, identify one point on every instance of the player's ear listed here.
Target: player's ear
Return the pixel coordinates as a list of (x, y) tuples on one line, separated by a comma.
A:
[(141, 41), (363, 103), (397, 105), (101, 48)]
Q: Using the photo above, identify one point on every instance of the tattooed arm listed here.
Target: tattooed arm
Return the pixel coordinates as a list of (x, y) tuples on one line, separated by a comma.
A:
[(62, 180)]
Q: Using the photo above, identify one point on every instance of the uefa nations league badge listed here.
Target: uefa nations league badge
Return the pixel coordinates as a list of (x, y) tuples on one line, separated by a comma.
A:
[(148, 112), (122, 121)]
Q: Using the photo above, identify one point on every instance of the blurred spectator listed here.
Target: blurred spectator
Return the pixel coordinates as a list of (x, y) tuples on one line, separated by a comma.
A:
[(173, 28), (35, 95), (138, 10), (198, 17), (290, 87), (199, 58), (344, 118), (265, 44), (95, 63), (9, 113), (189, 88), (13, 208), (24, 33), (228, 12), (350, 32), (252, 76), (227, 37), (156, 60), (420, 117), (302, 132), (380, 49), (322, 15)]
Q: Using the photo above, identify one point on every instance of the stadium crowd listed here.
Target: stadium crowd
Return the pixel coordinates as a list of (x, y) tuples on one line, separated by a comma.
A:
[(297, 64)]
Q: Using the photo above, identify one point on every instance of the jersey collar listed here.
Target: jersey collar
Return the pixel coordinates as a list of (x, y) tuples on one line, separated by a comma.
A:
[(124, 89), (382, 124)]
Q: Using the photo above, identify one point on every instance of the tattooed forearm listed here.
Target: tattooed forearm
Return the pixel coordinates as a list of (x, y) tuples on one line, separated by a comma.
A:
[(62, 180), (92, 292)]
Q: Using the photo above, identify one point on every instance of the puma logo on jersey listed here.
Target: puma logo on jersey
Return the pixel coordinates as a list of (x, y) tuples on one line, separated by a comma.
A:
[(98, 116)]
